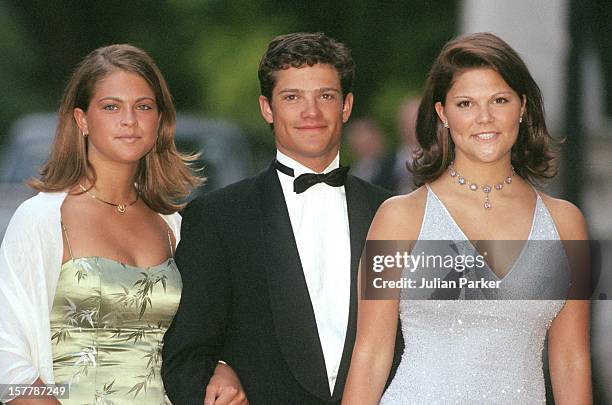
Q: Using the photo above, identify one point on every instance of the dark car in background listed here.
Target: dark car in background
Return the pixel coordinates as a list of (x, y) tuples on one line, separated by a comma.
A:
[(224, 155)]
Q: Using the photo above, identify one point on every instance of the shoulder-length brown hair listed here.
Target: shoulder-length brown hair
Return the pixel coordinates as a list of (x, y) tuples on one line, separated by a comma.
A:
[(164, 177), (532, 156)]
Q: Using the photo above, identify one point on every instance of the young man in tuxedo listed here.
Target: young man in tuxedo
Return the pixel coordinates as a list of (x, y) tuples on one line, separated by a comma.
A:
[(269, 264)]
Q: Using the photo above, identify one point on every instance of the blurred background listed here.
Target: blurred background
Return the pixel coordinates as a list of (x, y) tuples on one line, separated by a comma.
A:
[(209, 53)]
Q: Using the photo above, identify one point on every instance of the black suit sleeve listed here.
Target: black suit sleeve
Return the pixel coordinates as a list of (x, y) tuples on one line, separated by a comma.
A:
[(193, 343)]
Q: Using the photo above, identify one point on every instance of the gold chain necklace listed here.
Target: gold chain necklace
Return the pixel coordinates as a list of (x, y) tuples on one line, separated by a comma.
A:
[(485, 187), (120, 207)]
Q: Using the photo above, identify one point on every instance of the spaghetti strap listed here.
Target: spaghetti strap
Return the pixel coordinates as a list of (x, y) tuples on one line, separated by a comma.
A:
[(170, 242), (65, 231)]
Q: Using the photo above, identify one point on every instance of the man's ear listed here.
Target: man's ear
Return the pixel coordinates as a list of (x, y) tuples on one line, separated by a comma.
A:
[(347, 107), (266, 109)]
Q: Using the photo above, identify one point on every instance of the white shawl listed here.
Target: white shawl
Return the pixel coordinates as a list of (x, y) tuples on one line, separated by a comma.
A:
[(30, 262)]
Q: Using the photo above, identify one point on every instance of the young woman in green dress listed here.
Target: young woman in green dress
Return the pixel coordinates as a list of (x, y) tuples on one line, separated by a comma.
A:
[(91, 281)]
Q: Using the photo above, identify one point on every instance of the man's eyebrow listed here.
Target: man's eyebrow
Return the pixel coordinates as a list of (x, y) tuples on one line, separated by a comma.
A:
[(324, 89), (290, 91), (321, 90)]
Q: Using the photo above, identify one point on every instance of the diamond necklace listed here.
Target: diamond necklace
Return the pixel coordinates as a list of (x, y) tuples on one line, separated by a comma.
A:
[(485, 187), (120, 207)]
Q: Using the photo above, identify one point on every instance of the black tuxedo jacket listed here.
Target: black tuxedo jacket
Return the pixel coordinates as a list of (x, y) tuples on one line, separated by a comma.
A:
[(245, 298)]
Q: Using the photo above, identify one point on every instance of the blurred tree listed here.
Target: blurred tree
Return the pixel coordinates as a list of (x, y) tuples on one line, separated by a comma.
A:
[(63, 32), (20, 91), (602, 28), (393, 44), (209, 51)]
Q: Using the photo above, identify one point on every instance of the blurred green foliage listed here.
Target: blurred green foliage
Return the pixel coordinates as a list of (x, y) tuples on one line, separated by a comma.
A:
[(209, 50)]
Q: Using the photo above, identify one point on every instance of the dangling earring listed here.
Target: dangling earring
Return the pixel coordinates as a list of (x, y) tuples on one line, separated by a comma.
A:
[(84, 134), (445, 124), (521, 119)]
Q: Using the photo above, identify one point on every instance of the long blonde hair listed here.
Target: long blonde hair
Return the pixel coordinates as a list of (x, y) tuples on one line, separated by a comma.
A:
[(164, 177)]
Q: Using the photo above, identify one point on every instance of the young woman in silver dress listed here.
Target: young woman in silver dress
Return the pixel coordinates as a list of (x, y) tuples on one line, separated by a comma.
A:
[(484, 145)]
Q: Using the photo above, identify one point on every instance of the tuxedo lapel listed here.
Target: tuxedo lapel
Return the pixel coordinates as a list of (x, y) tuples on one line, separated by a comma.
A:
[(359, 215), (293, 314)]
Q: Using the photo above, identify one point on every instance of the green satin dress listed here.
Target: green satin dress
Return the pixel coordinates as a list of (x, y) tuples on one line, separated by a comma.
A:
[(107, 325)]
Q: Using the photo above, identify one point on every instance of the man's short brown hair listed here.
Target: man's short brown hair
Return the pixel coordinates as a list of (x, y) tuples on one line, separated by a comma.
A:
[(303, 48)]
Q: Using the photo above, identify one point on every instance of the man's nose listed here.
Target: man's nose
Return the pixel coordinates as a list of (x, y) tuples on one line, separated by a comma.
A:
[(311, 106)]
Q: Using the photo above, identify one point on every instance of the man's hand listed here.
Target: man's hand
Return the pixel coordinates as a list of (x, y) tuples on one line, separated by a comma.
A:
[(224, 388)]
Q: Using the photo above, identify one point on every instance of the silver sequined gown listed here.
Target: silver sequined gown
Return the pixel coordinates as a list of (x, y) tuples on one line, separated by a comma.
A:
[(477, 351)]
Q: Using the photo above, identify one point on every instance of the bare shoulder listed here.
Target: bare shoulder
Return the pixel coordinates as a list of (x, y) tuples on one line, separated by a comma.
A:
[(75, 208), (567, 217), (400, 217)]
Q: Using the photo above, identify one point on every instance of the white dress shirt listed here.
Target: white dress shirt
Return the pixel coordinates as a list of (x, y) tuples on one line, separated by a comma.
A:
[(319, 220)]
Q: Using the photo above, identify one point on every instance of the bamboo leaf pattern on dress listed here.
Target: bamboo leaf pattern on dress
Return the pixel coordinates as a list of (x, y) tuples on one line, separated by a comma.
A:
[(101, 395), (154, 356), (146, 285), (124, 298), (87, 315), (131, 331), (137, 335), (137, 387), (112, 319), (80, 274), (70, 312), (85, 359), (60, 335), (75, 317), (82, 270)]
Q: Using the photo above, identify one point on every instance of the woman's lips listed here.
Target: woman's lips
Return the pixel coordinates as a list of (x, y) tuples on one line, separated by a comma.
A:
[(129, 138), (486, 136)]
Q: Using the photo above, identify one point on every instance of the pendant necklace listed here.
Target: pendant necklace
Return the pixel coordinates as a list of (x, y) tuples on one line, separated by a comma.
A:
[(121, 208), (485, 187)]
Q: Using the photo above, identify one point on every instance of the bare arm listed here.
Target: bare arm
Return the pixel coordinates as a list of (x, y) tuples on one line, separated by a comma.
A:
[(373, 352), (377, 319), (568, 337), (568, 353)]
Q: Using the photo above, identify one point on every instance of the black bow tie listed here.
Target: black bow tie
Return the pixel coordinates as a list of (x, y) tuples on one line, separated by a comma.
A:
[(303, 182)]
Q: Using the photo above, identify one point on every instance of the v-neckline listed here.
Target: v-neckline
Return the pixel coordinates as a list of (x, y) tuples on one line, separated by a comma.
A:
[(520, 255)]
